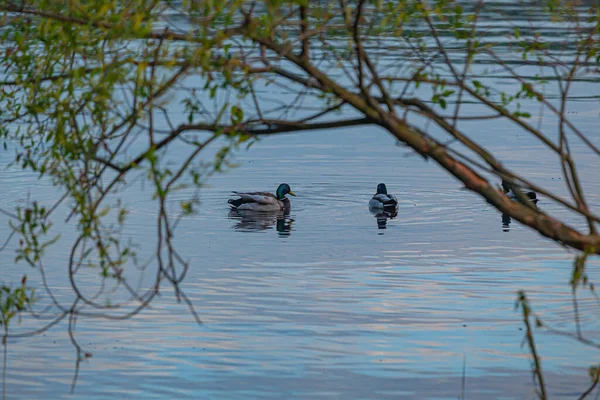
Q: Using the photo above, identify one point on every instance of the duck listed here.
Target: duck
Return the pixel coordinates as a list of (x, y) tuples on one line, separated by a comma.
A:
[(383, 200), (507, 189), (263, 201)]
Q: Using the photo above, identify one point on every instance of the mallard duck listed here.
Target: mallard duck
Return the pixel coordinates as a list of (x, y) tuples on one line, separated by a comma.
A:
[(383, 200), (507, 189), (263, 201)]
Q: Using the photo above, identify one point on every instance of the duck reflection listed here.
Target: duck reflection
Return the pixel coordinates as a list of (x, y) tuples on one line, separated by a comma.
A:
[(506, 220), (248, 221), (382, 215)]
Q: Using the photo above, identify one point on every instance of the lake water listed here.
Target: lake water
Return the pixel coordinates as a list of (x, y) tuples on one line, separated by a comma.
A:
[(323, 303), (334, 307)]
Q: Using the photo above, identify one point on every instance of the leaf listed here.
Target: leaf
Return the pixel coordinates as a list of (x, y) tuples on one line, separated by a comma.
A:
[(237, 115)]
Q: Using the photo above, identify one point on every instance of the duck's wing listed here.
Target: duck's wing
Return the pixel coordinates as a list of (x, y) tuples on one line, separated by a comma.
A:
[(381, 197), (258, 197), (385, 199)]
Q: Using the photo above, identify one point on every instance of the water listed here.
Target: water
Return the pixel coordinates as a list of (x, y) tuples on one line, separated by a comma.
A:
[(331, 306), (322, 303)]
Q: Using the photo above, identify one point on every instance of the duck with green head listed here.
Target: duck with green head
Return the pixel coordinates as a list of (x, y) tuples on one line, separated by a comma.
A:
[(263, 201)]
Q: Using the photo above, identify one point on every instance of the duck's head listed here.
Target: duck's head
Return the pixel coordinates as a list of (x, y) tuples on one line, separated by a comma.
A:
[(282, 190), (381, 189), (532, 197)]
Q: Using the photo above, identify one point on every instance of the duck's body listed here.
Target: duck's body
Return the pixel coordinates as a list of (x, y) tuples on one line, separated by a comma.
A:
[(532, 196), (507, 189), (382, 200), (258, 201), (263, 201)]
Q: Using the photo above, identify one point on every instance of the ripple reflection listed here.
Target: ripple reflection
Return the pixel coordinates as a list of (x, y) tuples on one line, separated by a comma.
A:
[(382, 216), (251, 221)]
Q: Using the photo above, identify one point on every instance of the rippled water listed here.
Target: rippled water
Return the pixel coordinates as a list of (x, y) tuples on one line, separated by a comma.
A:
[(323, 303)]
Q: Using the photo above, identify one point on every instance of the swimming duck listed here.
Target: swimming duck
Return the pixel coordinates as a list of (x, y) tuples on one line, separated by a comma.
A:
[(263, 201), (382, 199), (507, 189)]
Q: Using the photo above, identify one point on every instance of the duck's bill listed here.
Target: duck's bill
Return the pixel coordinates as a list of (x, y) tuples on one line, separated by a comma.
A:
[(292, 193)]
